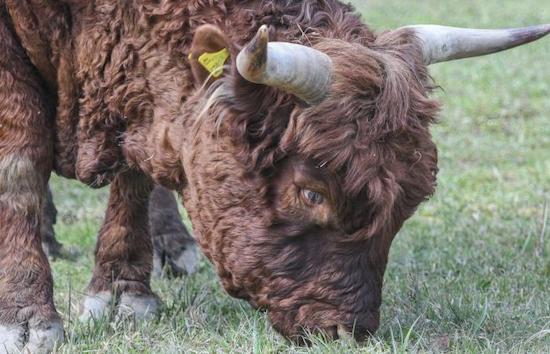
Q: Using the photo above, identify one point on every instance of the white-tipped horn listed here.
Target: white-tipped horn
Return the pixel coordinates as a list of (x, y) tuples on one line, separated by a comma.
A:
[(296, 69), (441, 43)]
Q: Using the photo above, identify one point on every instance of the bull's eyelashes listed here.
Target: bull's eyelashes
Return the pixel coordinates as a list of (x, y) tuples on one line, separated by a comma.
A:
[(316, 206), (302, 194)]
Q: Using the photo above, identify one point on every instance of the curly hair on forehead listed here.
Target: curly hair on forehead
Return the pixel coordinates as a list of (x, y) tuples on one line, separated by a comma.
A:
[(299, 21), (371, 132)]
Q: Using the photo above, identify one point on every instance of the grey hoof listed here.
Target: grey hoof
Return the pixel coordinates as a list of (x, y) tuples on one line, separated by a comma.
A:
[(174, 258), (138, 307), (41, 338), (44, 337), (52, 249), (12, 339), (188, 260), (96, 306)]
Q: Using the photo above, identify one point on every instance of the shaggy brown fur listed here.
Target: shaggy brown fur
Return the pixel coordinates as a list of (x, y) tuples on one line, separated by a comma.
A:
[(243, 155), (124, 251), (26, 157)]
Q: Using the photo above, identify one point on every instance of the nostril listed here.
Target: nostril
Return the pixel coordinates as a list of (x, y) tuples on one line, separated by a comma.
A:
[(328, 332), (355, 332), (332, 332)]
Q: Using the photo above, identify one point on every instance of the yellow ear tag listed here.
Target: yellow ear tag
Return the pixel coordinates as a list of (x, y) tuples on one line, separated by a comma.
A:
[(213, 62)]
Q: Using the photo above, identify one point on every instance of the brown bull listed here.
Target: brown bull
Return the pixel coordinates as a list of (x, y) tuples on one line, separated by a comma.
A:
[(297, 168)]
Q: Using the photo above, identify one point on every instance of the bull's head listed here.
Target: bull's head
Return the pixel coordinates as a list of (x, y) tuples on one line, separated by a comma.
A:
[(304, 162)]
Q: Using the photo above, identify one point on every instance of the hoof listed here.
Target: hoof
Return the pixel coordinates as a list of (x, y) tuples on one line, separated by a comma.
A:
[(52, 249), (129, 306), (138, 307), (96, 306), (36, 337), (188, 260), (175, 261), (12, 339)]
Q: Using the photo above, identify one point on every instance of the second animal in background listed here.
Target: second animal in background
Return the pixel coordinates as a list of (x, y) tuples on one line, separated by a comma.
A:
[(175, 250)]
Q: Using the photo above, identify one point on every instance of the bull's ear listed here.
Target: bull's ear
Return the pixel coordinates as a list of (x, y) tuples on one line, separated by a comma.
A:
[(209, 53)]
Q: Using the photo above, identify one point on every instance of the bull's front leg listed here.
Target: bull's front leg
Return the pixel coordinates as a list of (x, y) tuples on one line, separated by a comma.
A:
[(28, 319), (124, 254)]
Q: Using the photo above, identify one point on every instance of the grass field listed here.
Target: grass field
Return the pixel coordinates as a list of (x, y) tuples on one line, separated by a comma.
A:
[(470, 272)]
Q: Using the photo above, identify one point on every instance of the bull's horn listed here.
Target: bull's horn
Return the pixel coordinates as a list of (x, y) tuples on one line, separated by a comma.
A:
[(441, 43), (296, 69)]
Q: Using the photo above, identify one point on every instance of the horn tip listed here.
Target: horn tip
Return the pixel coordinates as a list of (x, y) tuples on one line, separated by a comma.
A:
[(253, 58), (263, 29), (529, 34), (263, 34)]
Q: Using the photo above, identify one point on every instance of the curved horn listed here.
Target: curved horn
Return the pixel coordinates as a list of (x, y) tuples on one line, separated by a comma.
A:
[(441, 43), (296, 69)]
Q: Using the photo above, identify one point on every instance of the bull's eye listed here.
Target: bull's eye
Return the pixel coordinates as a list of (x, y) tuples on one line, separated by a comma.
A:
[(313, 197)]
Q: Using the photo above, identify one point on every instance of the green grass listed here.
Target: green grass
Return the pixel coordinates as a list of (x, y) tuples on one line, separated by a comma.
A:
[(470, 272)]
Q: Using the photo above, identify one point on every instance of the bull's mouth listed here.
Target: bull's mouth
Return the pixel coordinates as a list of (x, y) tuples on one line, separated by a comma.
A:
[(339, 327), (343, 332), (303, 336)]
